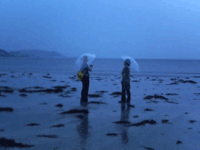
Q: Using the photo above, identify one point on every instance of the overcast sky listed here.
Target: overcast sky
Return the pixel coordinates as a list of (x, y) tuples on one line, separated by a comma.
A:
[(107, 28)]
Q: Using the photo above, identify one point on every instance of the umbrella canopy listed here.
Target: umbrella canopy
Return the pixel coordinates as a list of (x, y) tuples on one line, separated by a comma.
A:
[(86, 57), (132, 62)]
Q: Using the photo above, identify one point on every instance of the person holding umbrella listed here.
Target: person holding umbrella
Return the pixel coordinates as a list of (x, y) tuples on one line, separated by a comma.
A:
[(128, 61), (126, 82), (84, 75)]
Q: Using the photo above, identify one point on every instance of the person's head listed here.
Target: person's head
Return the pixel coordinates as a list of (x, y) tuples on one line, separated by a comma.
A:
[(127, 62), (85, 59)]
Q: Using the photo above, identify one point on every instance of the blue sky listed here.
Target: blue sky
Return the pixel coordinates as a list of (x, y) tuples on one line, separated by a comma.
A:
[(107, 28)]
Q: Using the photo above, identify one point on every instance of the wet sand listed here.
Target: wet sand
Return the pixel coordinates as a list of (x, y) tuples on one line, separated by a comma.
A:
[(42, 111)]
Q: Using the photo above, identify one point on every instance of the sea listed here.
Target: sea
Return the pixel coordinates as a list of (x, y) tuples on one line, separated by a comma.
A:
[(148, 67)]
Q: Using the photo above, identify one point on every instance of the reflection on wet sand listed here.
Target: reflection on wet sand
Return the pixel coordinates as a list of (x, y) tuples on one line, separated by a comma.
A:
[(82, 130), (125, 111)]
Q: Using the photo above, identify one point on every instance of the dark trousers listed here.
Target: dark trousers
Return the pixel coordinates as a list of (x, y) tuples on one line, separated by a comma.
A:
[(85, 88), (124, 92)]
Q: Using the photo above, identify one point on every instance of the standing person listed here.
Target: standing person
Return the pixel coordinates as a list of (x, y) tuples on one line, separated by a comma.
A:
[(85, 80), (126, 82)]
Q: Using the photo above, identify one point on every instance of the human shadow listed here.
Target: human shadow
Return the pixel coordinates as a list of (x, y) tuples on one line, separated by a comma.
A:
[(82, 130), (125, 112)]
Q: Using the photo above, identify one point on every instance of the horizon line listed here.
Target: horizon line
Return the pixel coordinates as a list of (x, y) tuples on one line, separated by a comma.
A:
[(142, 58)]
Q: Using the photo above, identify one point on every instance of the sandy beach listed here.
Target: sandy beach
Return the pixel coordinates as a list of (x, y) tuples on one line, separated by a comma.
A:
[(153, 44), (42, 111)]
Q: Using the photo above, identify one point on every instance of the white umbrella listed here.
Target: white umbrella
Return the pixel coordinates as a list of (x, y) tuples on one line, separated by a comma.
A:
[(82, 58), (133, 64)]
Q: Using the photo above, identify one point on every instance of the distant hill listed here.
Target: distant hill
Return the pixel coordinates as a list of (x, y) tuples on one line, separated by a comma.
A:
[(36, 54), (3, 53)]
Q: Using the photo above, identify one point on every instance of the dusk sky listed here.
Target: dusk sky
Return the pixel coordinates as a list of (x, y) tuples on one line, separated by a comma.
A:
[(107, 28)]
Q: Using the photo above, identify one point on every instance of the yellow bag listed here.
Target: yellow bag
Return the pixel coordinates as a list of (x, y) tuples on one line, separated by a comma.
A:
[(80, 75)]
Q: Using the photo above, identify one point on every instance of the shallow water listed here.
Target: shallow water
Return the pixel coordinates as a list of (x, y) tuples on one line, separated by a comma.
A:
[(162, 67)]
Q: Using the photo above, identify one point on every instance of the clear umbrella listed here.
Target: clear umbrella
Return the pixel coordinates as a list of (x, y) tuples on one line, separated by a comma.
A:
[(86, 57), (133, 64)]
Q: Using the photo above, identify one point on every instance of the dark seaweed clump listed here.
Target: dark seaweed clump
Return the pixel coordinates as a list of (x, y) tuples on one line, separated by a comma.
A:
[(135, 81), (192, 121), (112, 134), (165, 121), (48, 136), (155, 96), (74, 111), (147, 148), (7, 143), (136, 116), (96, 102), (183, 81), (143, 123), (178, 142), (101, 92), (47, 77), (171, 94), (94, 95), (9, 109), (57, 126), (6, 89), (59, 105), (122, 122), (55, 89), (131, 106), (2, 95), (33, 124), (147, 109)]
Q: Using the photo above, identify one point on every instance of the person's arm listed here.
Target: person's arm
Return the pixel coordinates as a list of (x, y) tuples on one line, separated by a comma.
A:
[(90, 68)]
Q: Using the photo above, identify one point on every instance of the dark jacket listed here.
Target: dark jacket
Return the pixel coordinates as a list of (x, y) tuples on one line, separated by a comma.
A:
[(126, 77), (85, 69), (126, 74)]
